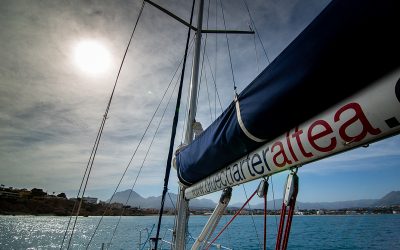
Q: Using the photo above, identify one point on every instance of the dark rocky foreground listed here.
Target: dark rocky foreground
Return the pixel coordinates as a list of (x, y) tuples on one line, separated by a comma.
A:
[(63, 207)]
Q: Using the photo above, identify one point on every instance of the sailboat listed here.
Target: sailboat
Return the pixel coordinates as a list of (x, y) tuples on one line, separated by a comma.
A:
[(336, 87)]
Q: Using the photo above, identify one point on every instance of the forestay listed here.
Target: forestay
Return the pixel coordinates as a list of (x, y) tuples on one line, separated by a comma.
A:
[(347, 47)]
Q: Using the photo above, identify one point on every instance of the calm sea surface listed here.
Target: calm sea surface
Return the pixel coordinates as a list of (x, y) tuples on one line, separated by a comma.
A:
[(308, 232)]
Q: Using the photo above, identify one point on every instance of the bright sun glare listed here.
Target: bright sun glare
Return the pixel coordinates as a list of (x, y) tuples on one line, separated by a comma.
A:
[(91, 57)]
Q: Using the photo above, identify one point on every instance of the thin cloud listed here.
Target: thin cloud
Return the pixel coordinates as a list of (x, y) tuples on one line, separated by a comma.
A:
[(50, 111), (375, 157)]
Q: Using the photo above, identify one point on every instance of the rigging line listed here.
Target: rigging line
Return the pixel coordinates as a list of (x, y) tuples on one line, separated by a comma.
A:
[(89, 171), (133, 155), (208, 95), (165, 233), (97, 142), (80, 187), (103, 123), (273, 198), (144, 160), (215, 62), (148, 237), (175, 213), (202, 62), (205, 72), (173, 205), (215, 84), (205, 76), (230, 221), (173, 132), (252, 218), (83, 180), (228, 232), (257, 59), (208, 13), (205, 46), (265, 221), (72, 214), (214, 81), (175, 220), (208, 18), (136, 149), (229, 50), (256, 31)]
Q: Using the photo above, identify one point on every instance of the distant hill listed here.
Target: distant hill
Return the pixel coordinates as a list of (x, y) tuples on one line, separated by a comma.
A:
[(137, 200), (391, 199), (315, 205)]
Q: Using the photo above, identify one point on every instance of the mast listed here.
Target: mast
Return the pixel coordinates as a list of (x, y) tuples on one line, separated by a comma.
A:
[(195, 78), (181, 223), (181, 220)]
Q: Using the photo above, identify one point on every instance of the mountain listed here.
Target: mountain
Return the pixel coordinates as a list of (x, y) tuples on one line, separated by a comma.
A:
[(392, 198), (154, 202), (135, 200), (337, 204)]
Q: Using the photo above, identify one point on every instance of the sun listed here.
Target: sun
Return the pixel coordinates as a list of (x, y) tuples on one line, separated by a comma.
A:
[(91, 57)]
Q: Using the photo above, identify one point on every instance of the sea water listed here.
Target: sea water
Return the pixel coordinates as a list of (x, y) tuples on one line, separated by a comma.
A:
[(246, 232)]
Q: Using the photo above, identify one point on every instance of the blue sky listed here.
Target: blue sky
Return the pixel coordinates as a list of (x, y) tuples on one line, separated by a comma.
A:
[(50, 108)]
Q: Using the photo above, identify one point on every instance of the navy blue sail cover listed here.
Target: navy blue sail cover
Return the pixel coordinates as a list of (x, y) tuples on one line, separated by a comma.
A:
[(347, 47)]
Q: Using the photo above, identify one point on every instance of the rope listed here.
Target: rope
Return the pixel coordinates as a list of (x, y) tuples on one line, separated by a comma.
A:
[(229, 50), (228, 233), (144, 160), (70, 217), (255, 50), (209, 100), (273, 198), (80, 187), (252, 218), (172, 202), (205, 72), (100, 132), (256, 31), (137, 147), (281, 223), (148, 237), (201, 81), (204, 51), (173, 133), (202, 65), (288, 227), (215, 85), (85, 177), (265, 221), (291, 190), (230, 221), (135, 151), (215, 63)]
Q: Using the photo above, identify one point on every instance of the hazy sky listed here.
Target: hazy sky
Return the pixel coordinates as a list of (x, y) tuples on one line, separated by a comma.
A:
[(51, 108)]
